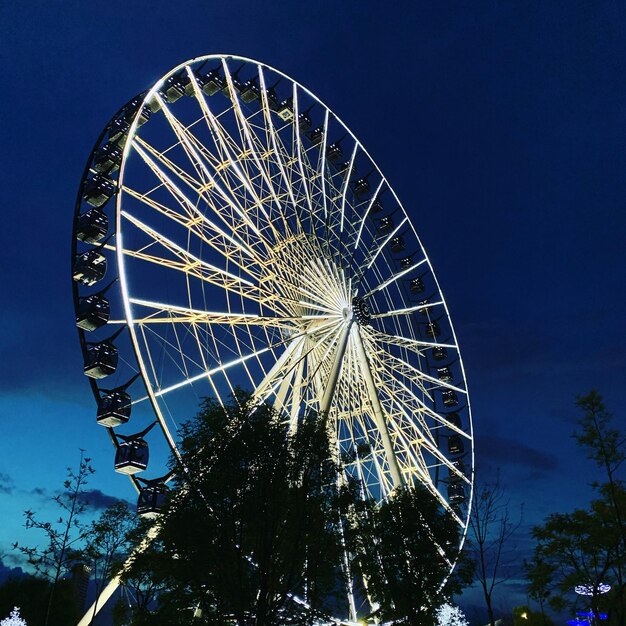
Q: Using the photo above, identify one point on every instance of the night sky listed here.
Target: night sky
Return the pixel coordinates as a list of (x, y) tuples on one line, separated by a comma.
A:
[(501, 126)]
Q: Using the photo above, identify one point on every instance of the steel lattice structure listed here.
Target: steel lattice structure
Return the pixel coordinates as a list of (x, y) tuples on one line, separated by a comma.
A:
[(250, 240)]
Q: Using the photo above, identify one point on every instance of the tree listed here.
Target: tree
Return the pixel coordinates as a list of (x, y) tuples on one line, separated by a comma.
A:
[(397, 549), (490, 533), (260, 516), (31, 594), (606, 446), (578, 548), (253, 520), (65, 536), (109, 540), (588, 547)]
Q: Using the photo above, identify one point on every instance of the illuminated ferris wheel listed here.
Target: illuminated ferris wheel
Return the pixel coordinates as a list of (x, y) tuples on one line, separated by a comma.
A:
[(231, 231)]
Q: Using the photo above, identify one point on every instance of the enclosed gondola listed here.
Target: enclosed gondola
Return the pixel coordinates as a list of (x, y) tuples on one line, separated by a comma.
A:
[(93, 312)]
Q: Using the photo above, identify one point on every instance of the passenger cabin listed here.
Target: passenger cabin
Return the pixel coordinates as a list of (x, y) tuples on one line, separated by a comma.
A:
[(456, 493), (377, 206), (132, 456), (101, 360), (93, 312), (174, 88), (118, 131), (334, 152), (424, 308), (272, 98), (212, 83), (385, 224), (449, 398), (114, 408), (98, 190), (459, 466), (316, 135), (361, 187), (152, 499), (130, 111), (92, 225), (444, 374), (89, 267), (454, 419), (285, 110), (108, 158), (455, 444), (406, 262), (397, 244), (417, 285), (304, 122), (249, 92), (439, 353), (432, 329)]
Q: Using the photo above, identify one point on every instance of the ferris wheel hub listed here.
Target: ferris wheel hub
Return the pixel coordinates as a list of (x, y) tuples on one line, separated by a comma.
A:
[(361, 311)]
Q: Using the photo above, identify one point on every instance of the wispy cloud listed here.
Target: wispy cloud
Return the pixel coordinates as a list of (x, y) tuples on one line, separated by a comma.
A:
[(7, 485), (97, 499), (503, 450)]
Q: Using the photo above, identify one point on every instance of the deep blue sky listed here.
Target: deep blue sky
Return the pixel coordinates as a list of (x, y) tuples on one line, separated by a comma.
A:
[(501, 126)]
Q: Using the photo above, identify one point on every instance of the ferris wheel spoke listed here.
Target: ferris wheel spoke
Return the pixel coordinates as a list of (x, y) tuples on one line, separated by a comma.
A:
[(407, 310), (273, 145), (304, 179), (227, 194), (229, 146), (345, 185), (394, 278), (147, 153), (381, 244), (225, 366), (199, 316), (287, 363), (198, 224), (159, 163), (254, 147), (366, 213), (406, 342), (185, 257), (391, 360)]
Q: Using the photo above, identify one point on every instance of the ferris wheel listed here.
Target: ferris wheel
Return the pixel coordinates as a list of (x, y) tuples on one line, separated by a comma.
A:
[(231, 231)]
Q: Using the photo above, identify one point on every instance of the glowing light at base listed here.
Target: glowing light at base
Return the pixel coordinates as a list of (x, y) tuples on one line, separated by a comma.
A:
[(590, 590)]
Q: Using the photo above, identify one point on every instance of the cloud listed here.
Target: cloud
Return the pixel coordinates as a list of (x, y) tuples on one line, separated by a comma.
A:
[(10, 572), (502, 450), (6, 484), (97, 499)]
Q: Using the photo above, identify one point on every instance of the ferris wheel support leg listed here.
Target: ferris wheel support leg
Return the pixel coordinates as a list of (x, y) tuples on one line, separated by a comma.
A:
[(327, 399), (379, 415), (331, 385), (114, 583)]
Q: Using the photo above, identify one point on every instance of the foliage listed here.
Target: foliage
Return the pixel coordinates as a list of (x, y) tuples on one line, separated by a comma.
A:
[(259, 516), (64, 536), (449, 615), (587, 546), (257, 523), (490, 533), (31, 594), (109, 541), (396, 547)]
